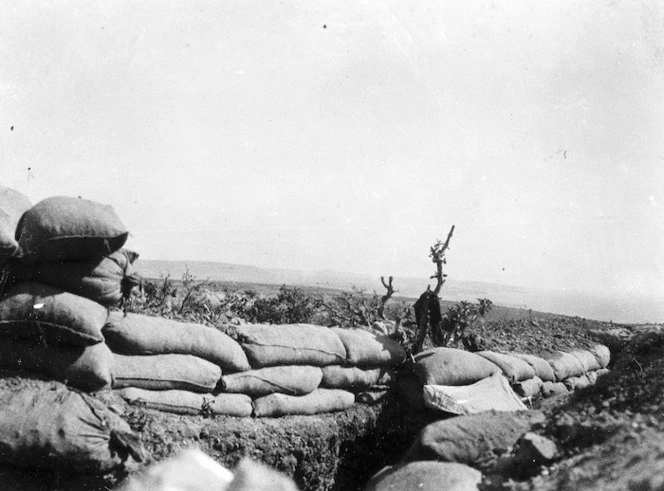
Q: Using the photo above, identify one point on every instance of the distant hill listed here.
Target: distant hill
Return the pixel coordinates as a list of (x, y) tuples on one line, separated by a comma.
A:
[(589, 305)]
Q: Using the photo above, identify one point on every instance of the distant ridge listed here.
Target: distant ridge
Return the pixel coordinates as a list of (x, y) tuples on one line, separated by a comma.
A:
[(633, 309)]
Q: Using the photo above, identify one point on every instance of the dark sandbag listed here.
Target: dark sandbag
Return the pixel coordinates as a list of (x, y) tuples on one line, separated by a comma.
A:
[(352, 378), (529, 388), (41, 312), (602, 354), (513, 368), (52, 427), (469, 439), (291, 344), (88, 368), (190, 403), (565, 365), (293, 380), (366, 349), (449, 366), (587, 359), (61, 228), (426, 476), (541, 367), (136, 334), (12, 206), (165, 372), (106, 280), (319, 401)]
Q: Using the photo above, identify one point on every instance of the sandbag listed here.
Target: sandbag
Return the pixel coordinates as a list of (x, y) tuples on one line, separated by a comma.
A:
[(550, 389), (541, 367), (491, 393), (318, 401), (51, 427), (190, 403), (88, 368), (587, 359), (449, 366), (565, 365), (61, 228), (468, 439), (136, 334), (513, 368), (366, 349), (426, 476), (352, 378), (12, 206), (529, 388), (41, 312), (574, 383), (106, 280), (293, 380), (291, 344), (602, 354), (165, 372), (256, 476)]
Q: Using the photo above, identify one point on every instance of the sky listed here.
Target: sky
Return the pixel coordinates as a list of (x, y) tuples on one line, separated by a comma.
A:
[(351, 135)]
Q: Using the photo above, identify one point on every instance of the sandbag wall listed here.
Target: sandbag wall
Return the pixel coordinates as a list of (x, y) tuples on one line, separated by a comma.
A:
[(276, 370), (65, 270), (529, 375)]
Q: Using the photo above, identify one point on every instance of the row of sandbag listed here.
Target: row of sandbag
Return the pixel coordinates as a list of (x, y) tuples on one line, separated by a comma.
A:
[(529, 375), (294, 369)]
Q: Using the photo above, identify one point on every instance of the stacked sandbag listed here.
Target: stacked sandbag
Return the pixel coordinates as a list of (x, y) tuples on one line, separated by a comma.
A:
[(563, 372), (370, 360), (49, 331), (175, 366), (287, 369), (68, 268)]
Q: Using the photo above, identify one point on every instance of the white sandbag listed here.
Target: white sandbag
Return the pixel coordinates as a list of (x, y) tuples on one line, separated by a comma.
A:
[(565, 365), (602, 354), (541, 367), (587, 359), (352, 378), (491, 393), (575, 383)]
